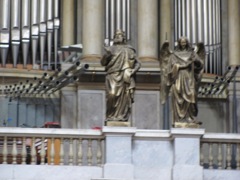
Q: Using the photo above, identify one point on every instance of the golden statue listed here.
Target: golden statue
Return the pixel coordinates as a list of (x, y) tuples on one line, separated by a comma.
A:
[(181, 72), (121, 65)]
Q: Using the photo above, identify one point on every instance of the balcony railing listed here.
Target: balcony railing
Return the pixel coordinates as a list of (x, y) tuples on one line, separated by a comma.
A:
[(115, 152), (51, 146), (220, 151), (86, 147)]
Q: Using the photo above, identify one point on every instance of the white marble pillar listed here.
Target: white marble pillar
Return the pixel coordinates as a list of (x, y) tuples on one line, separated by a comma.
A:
[(147, 29), (118, 152), (69, 107), (68, 22), (186, 143), (93, 25), (234, 31), (233, 107), (165, 19)]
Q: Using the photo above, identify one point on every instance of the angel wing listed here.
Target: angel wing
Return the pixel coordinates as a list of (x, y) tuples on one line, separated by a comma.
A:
[(200, 50), (164, 66), (199, 63)]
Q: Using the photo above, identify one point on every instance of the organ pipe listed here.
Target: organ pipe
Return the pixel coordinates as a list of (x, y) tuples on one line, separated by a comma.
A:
[(176, 20), (117, 16), (194, 23), (4, 30), (179, 19), (56, 25), (112, 18), (188, 14), (210, 22), (183, 18), (43, 29), (107, 15), (205, 20), (49, 30), (124, 16), (25, 30), (128, 19), (34, 29), (200, 20), (15, 29)]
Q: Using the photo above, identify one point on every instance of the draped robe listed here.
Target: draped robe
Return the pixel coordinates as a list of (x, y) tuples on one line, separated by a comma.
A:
[(185, 71), (120, 83)]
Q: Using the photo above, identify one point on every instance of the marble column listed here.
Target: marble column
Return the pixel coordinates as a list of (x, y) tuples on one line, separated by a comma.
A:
[(147, 30), (118, 152), (165, 19), (68, 22), (186, 143), (69, 107), (233, 107), (234, 31), (93, 24)]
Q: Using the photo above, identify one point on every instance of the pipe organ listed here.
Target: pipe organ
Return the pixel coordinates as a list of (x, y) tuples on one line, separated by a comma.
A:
[(29, 25), (117, 16), (200, 21)]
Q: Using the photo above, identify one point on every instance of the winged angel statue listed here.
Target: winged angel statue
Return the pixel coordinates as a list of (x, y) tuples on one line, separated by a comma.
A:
[(181, 72)]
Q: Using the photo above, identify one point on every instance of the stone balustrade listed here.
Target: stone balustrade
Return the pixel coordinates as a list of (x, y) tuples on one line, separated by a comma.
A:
[(220, 151), (118, 153), (51, 146)]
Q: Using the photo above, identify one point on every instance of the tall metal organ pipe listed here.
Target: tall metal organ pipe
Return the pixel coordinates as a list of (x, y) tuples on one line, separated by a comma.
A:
[(200, 20), (56, 25), (15, 29), (4, 29), (179, 18), (194, 23), (49, 30), (112, 18), (25, 30), (34, 29), (43, 30), (183, 18), (189, 22), (206, 32)]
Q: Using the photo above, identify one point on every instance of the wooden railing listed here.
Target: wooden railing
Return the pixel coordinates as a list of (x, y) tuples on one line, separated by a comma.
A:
[(220, 151), (51, 146)]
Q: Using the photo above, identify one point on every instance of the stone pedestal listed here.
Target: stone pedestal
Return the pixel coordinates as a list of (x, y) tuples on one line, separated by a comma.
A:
[(118, 152), (118, 123), (186, 125), (187, 154)]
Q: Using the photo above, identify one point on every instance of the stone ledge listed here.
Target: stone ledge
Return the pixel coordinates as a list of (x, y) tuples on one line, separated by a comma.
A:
[(187, 132)]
